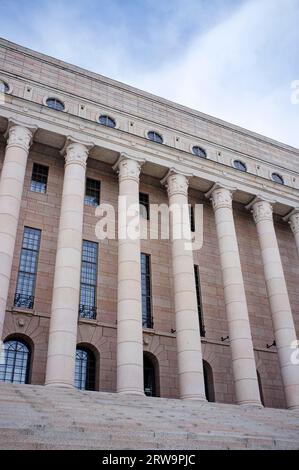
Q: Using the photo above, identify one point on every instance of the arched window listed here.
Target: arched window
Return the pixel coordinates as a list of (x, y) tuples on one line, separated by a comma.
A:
[(155, 137), (85, 369), (277, 178), (16, 362), (4, 88), (260, 387), (151, 375), (209, 381), (54, 103), (240, 165), (199, 152), (107, 121)]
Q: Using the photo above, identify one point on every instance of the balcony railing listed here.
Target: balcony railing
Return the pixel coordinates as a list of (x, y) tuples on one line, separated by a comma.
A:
[(86, 311), (23, 301)]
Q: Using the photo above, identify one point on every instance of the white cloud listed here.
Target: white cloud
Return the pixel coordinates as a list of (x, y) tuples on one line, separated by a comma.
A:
[(241, 70), (237, 65)]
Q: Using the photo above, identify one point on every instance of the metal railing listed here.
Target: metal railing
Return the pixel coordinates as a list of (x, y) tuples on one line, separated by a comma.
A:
[(86, 311), (23, 301)]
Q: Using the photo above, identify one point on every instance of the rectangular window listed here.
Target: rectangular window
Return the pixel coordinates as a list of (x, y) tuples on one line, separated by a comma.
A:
[(24, 296), (147, 320), (92, 192), (39, 178), (199, 302), (88, 287), (144, 203), (192, 221)]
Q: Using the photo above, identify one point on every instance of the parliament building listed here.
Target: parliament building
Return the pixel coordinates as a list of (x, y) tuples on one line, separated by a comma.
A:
[(142, 316)]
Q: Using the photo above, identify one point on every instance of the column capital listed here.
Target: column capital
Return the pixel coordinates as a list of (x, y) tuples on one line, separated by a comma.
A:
[(75, 151), (293, 219), (261, 209), (128, 168), (221, 196), (176, 182), (19, 134)]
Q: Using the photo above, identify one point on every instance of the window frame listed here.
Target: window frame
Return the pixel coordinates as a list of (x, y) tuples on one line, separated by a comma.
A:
[(274, 174), (98, 182), (35, 164), (7, 88), (91, 313), (160, 141), (199, 301), (90, 357), (145, 204), (28, 353), (58, 99), (193, 151), (242, 165), (107, 117), (147, 317), (31, 298)]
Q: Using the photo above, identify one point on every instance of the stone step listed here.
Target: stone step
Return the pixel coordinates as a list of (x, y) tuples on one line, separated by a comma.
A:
[(36, 417)]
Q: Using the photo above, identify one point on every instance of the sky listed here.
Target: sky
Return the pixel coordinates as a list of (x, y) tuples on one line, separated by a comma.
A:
[(233, 59)]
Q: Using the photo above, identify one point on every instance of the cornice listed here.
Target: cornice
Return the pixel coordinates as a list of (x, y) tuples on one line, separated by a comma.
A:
[(145, 95), (207, 169), (196, 138)]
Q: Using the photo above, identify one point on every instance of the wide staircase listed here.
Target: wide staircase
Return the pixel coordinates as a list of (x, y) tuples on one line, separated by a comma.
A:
[(36, 417)]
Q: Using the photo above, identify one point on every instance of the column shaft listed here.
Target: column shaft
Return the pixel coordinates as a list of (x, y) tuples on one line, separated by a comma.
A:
[(283, 324), (129, 307), (190, 366), (244, 368), (66, 290), (11, 190)]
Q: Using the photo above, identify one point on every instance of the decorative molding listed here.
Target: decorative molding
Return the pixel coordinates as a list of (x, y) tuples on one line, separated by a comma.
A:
[(221, 196), (176, 182), (128, 168), (293, 220), (19, 135), (76, 152), (262, 210)]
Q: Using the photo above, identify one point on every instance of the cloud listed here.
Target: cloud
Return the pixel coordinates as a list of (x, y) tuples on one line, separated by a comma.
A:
[(234, 60), (241, 70)]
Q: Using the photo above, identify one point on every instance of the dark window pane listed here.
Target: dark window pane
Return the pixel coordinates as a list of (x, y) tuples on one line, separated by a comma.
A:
[(4, 88), (144, 205), (155, 137), (240, 165), (15, 367), (199, 152), (192, 220), (107, 121), (24, 296), (92, 192), (88, 287), (277, 178), (54, 103), (146, 291), (149, 377), (199, 303), (85, 369), (39, 178)]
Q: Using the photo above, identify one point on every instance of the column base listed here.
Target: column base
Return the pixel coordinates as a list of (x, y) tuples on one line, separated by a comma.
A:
[(59, 385), (251, 404), (131, 392), (293, 408), (194, 398)]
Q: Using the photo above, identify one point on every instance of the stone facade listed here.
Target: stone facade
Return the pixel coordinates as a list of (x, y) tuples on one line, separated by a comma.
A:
[(32, 78)]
